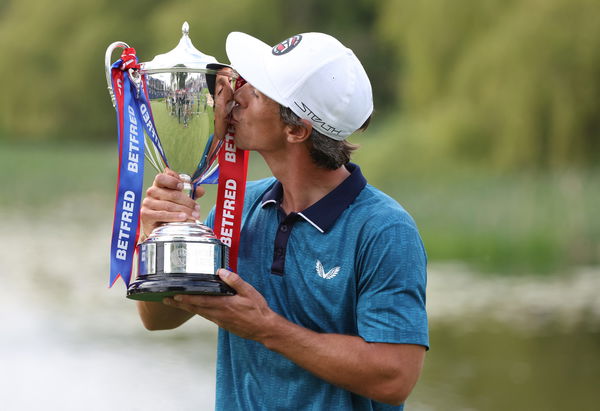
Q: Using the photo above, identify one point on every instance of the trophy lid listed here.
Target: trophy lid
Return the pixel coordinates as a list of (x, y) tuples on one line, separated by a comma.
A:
[(185, 55)]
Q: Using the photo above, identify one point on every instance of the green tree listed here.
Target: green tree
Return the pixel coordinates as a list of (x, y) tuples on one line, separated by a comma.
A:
[(511, 83), (53, 71)]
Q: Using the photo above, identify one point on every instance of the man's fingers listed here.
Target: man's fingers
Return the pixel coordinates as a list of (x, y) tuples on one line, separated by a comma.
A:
[(171, 173), (168, 180), (173, 196), (234, 281), (165, 202), (200, 191), (169, 206), (203, 305), (161, 211), (200, 301), (163, 216)]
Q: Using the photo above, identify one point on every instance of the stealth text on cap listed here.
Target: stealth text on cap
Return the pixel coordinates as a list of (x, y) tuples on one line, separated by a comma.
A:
[(317, 121)]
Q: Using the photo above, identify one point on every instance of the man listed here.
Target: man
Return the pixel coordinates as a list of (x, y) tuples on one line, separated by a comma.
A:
[(330, 305)]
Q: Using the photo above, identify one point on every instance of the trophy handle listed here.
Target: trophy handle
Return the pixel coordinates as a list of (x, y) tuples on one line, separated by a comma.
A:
[(137, 81), (107, 66)]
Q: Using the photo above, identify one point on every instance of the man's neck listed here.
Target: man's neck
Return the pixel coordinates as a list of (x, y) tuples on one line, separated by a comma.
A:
[(304, 183)]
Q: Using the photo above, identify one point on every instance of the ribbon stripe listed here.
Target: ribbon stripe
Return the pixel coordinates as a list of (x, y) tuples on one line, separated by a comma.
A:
[(233, 165), (149, 125), (130, 177)]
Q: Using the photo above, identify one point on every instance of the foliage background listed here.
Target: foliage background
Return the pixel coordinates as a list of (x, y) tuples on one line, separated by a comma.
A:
[(486, 126)]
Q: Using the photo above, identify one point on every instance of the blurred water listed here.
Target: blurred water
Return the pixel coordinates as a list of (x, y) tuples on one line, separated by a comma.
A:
[(70, 343), (511, 343)]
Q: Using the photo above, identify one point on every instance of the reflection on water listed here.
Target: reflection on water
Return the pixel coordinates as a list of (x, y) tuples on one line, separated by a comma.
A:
[(67, 340), (511, 343), (496, 367)]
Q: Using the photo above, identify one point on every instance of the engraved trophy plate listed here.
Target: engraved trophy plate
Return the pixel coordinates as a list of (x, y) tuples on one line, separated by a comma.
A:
[(188, 258), (181, 258)]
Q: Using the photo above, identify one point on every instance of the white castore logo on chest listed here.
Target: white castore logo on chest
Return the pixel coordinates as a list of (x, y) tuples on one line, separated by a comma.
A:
[(326, 275)]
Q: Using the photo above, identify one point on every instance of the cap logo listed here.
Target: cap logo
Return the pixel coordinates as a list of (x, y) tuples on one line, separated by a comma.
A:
[(287, 45), (316, 120)]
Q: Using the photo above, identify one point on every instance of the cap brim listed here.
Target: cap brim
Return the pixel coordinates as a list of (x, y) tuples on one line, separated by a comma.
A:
[(248, 57), (211, 78)]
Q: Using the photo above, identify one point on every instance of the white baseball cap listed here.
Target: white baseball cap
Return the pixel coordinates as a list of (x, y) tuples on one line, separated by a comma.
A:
[(313, 74)]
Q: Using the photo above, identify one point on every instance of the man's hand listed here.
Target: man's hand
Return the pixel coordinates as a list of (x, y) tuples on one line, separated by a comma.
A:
[(245, 314), (165, 202)]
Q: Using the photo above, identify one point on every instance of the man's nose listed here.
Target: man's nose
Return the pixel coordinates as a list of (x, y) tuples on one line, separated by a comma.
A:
[(238, 95)]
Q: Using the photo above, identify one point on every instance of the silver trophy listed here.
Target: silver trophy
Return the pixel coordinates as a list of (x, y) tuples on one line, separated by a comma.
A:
[(181, 258)]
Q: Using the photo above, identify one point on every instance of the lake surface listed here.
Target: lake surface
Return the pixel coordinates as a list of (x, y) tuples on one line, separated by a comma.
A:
[(70, 343)]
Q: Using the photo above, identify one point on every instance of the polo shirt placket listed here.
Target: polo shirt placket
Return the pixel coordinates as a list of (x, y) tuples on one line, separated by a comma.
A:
[(321, 215), (281, 239)]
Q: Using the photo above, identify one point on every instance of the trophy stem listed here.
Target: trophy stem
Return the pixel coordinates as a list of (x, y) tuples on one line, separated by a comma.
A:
[(187, 185)]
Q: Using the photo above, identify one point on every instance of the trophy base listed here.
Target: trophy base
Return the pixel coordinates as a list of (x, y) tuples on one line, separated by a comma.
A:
[(155, 289), (180, 258)]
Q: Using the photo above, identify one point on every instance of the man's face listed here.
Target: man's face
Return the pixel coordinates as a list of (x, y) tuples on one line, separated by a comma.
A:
[(257, 122)]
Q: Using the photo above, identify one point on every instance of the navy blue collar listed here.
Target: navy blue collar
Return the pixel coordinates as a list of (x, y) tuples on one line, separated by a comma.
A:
[(323, 214)]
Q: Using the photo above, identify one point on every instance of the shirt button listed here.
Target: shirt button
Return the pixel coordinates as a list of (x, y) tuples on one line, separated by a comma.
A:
[(283, 228)]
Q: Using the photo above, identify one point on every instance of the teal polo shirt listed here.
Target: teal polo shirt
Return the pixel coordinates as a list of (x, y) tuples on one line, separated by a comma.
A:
[(353, 263)]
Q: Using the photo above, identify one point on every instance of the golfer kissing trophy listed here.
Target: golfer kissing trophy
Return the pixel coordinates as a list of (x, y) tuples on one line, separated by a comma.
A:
[(171, 98)]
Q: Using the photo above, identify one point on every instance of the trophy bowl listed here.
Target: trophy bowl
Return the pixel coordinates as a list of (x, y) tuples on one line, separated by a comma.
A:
[(180, 258)]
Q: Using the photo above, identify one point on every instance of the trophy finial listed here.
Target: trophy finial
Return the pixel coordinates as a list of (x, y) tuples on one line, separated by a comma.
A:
[(184, 55)]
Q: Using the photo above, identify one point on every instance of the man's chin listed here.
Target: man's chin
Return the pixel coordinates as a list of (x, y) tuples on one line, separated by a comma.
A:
[(239, 143)]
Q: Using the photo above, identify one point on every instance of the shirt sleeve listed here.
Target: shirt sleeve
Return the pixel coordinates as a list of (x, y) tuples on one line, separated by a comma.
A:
[(391, 285)]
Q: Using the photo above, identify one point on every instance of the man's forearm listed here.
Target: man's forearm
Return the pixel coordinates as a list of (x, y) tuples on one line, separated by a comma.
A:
[(380, 371), (157, 316)]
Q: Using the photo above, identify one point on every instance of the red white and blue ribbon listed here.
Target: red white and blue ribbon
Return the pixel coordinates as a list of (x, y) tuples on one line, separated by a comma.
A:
[(133, 117)]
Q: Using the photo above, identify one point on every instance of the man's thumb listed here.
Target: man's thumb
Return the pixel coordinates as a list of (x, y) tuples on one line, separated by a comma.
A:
[(231, 279)]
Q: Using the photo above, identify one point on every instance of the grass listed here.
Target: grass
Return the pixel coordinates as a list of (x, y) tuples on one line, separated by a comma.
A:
[(41, 175), (526, 222), (512, 222)]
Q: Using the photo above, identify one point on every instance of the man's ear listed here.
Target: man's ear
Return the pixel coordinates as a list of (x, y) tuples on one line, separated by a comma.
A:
[(300, 133)]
